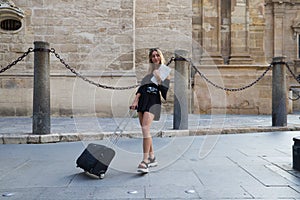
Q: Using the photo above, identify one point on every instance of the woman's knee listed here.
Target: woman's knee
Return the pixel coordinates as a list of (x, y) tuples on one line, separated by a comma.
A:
[(145, 128), (146, 131), (147, 119)]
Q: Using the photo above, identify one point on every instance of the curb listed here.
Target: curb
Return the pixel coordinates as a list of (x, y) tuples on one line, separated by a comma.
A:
[(89, 136)]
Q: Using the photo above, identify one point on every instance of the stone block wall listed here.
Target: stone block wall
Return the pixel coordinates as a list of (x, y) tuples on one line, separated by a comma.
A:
[(93, 37), (253, 100), (108, 41), (163, 24)]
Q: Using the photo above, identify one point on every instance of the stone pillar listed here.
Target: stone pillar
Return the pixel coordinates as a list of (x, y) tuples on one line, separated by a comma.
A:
[(211, 33), (296, 153), (41, 89), (180, 117), (279, 94), (225, 30), (240, 33)]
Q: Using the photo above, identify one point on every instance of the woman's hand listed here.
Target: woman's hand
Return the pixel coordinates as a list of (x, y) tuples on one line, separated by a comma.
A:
[(133, 107), (135, 102), (156, 74)]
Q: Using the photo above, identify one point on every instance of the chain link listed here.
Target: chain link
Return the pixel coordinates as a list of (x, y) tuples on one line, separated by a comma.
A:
[(296, 93), (297, 78), (171, 60), (297, 98), (17, 60), (52, 50), (228, 89)]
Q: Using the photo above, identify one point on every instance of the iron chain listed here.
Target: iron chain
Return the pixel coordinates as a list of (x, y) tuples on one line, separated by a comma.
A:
[(17, 60), (229, 89), (297, 78), (296, 93), (52, 50)]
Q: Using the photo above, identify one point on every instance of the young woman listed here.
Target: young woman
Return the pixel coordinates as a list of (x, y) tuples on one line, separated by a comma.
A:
[(148, 104)]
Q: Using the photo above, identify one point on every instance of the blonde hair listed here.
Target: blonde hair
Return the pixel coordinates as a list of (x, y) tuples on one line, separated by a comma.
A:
[(151, 65)]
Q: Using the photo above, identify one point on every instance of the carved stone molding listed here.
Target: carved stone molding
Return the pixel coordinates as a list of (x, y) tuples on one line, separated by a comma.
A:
[(296, 25), (9, 6), (10, 16)]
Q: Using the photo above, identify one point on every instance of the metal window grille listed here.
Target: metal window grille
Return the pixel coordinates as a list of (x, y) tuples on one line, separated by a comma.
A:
[(10, 25)]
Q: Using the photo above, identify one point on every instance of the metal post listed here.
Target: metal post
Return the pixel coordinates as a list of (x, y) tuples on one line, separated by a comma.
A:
[(180, 118), (41, 90), (279, 94)]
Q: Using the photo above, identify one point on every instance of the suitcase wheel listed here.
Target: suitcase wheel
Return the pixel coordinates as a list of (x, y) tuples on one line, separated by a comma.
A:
[(101, 176)]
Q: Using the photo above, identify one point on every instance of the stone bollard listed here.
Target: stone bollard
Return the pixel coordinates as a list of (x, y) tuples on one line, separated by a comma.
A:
[(180, 117), (41, 89), (279, 94), (296, 153)]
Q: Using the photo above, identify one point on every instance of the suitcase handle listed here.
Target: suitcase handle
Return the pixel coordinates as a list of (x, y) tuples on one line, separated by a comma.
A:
[(129, 115)]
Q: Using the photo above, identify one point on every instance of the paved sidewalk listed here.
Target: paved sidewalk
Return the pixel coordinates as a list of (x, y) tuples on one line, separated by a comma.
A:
[(204, 162), (232, 166), (18, 130)]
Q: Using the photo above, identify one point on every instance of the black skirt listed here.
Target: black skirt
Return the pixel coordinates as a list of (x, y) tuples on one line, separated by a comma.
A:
[(150, 100)]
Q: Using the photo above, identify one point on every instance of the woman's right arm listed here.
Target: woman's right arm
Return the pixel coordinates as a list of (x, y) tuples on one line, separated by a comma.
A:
[(135, 101)]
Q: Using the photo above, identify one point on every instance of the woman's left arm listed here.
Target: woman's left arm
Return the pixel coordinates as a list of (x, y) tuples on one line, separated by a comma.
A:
[(164, 87)]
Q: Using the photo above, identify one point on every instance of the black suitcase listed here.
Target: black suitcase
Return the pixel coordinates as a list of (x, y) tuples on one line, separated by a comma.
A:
[(95, 159)]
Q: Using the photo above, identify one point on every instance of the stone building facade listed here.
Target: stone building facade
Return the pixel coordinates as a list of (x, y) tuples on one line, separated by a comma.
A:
[(232, 42)]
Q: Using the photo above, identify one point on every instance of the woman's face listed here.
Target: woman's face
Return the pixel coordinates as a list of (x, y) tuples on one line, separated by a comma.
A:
[(155, 57)]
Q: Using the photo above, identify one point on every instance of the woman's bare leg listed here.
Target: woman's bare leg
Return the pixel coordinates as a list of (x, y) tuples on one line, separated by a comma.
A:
[(146, 119)]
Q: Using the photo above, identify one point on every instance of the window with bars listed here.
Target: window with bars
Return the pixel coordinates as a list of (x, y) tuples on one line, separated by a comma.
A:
[(10, 25)]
